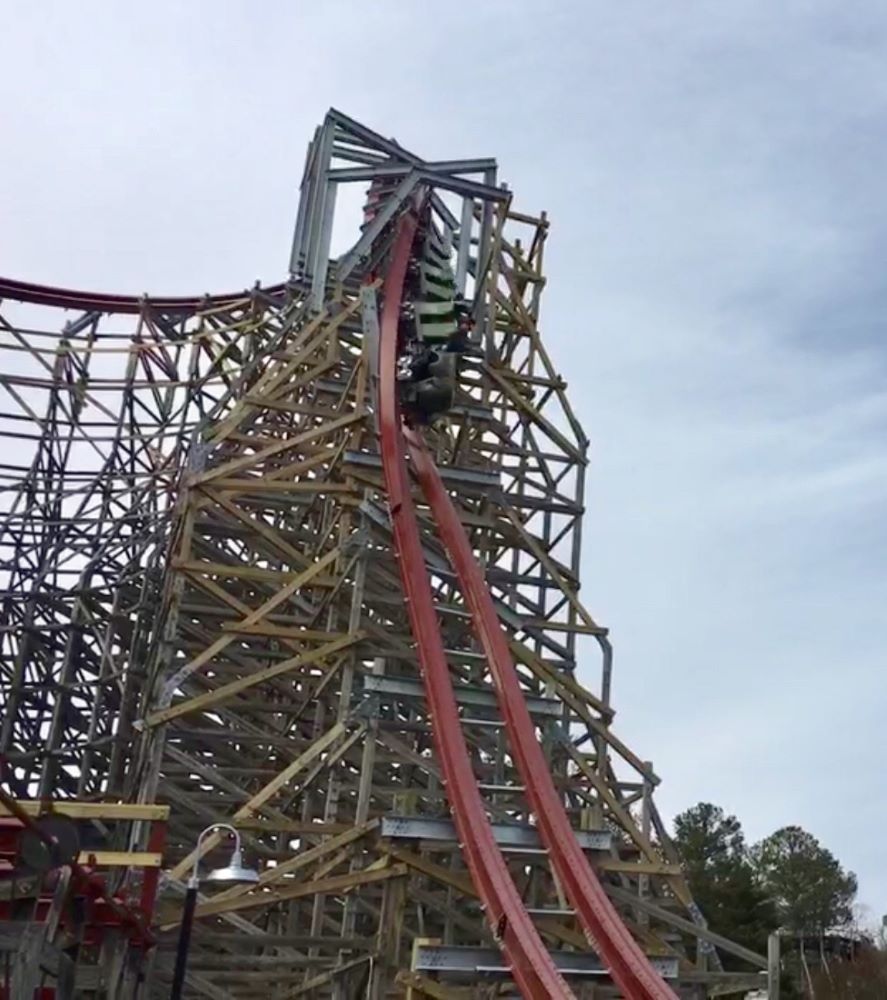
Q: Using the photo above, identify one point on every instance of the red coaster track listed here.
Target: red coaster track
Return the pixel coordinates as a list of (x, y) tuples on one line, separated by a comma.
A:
[(531, 965), (533, 969)]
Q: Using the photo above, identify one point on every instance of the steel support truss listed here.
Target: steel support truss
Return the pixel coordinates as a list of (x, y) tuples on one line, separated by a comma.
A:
[(201, 608)]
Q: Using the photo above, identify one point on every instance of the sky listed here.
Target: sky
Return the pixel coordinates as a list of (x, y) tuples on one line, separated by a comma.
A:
[(713, 173)]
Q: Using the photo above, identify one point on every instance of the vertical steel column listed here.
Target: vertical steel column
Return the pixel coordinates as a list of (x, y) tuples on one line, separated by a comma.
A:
[(463, 254), (297, 254)]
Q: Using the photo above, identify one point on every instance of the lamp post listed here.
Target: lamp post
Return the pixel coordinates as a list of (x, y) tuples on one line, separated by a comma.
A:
[(234, 873)]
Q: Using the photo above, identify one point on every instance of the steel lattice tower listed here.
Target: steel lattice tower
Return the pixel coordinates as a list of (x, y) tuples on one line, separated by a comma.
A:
[(203, 610)]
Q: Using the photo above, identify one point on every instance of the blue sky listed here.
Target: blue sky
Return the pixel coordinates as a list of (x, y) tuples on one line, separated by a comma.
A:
[(714, 177)]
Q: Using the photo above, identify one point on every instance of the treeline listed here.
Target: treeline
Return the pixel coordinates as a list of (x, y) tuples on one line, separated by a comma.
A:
[(788, 881)]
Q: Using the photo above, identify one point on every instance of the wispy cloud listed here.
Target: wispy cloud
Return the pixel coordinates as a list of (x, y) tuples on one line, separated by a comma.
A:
[(714, 175)]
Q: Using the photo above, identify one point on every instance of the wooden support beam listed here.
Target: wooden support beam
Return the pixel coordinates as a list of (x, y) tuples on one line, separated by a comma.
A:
[(288, 444), (209, 699), (121, 859), (91, 810), (304, 859), (340, 884), (421, 986), (222, 642), (318, 747), (322, 978)]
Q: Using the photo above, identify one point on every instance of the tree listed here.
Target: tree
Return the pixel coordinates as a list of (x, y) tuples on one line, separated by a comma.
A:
[(723, 882), (805, 882), (707, 838), (863, 978)]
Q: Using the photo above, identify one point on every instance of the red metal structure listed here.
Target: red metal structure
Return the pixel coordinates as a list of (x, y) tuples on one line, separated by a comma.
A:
[(72, 905)]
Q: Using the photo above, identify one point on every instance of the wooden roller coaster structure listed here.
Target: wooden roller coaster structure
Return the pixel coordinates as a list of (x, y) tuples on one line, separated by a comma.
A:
[(238, 588)]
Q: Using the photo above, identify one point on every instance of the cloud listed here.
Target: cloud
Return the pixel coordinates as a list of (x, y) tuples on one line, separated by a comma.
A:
[(714, 178)]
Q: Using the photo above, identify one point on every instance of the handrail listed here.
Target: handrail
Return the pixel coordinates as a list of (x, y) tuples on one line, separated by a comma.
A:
[(532, 967), (628, 965)]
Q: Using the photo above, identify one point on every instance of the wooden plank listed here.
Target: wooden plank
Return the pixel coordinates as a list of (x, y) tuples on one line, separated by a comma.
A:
[(255, 524), (256, 459), (194, 765), (121, 859), (296, 826), (418, 985), (548, 563), (303, 859), (280, 631), (262, 484), (572, 692), (446, 876), (91, 810), (339, 884), (695, 930), (675, 881), (549, 626), (462, 883), (209, 698), (296, 583), (212, 588), (321, 744), (261, 797), (301, 348), (233, 571), (327, 977), (637, 867), (524, 404), (294, 470)]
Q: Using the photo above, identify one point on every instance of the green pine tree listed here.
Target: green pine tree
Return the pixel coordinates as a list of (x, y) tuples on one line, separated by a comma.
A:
[(810, 890), (721, 877)]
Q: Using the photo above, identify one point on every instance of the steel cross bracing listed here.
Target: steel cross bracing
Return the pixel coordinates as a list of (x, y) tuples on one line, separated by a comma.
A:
[(204, 608)]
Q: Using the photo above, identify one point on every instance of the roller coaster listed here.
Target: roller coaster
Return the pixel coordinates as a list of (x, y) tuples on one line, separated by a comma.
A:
[(305, 560)]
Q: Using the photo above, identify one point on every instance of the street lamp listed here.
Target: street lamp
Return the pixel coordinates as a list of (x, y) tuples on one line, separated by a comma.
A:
[(235, 873)]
